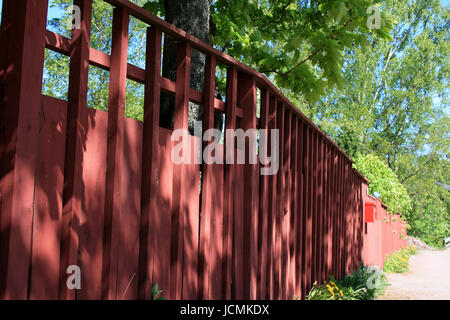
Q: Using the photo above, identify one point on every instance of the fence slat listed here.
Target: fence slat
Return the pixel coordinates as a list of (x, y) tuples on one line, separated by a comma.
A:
[(179, 206), (300, 203), (264, 203), (280, 209), (207, 241), (149, 180), (271, 239), (229, 172), (247, 101), (77, 123), (293, 209), (116, 119), (22, 119)]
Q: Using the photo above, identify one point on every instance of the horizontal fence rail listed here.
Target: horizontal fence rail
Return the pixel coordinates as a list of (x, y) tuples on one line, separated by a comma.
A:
[(94, 189)]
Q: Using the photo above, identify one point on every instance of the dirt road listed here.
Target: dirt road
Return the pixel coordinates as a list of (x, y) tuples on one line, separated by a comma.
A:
[(428, 278)]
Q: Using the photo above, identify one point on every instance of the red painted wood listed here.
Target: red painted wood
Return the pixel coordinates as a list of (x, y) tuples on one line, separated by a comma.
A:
[(77, 122), (308, 211), (191, 226), (247, 100), (330, 206), (163, 220), (293, 225), (44, 279), (149, 181), (325, 214), (264, 205), (130, 213), (208, 204), (229, 172), (272, 218), (91, 214), (25, 26), (300, 203), (179, 204), (286, 205), (314, 208), (116, 118), (319, 221), (278, 278)]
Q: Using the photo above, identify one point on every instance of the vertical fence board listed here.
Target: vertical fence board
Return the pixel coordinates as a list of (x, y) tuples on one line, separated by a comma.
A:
[(279, 211), (209, 205), (300, 203), (192, 224), (149, 180), (77, 124), (247, 101), (229, 172), (22, 120), (179, 204), (293, 226), (264, 202), (44, 282), (116, 119), (272, 207)]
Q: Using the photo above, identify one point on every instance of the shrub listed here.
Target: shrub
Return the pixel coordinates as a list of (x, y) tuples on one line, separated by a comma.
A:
[(385, 181), (398, 262), (352, 287)]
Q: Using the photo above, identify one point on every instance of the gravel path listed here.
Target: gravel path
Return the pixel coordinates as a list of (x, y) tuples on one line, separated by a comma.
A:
[(428, 278)]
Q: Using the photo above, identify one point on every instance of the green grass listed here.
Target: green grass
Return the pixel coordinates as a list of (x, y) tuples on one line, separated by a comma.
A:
[(398, 262)]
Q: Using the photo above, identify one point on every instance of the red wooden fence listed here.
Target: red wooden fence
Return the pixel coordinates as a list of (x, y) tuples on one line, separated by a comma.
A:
[(95, 189), (384, 236)]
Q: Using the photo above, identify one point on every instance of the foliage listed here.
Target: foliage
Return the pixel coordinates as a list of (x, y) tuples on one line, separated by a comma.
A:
[(398, 262), (156, 293), (351, 287), (300, 44), (395, 106), (383, 180)]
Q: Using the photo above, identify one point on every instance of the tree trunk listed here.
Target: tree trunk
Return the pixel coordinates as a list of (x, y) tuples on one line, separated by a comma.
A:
[(193, 16)]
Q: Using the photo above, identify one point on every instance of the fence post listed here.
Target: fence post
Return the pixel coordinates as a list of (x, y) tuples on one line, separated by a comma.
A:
[(23, 34), (228, 190), (280, 203), (247, 100), (76, 129), (179, 206), (293, 226), (299, 212), (272, 218), (116, 119), (264, 202), (208, 188), (149, 185)]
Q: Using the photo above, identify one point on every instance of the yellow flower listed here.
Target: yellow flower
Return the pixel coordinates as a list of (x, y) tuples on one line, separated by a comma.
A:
[(330, 289), (341, 293)]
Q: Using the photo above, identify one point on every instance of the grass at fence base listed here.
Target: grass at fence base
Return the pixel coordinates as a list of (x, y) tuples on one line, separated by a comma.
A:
[(352, 287), (398, 262)]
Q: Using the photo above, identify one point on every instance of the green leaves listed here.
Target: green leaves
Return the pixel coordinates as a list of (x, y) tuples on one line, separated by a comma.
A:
[(156, 293), (300, 44), (155, 7), (383, 180)]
